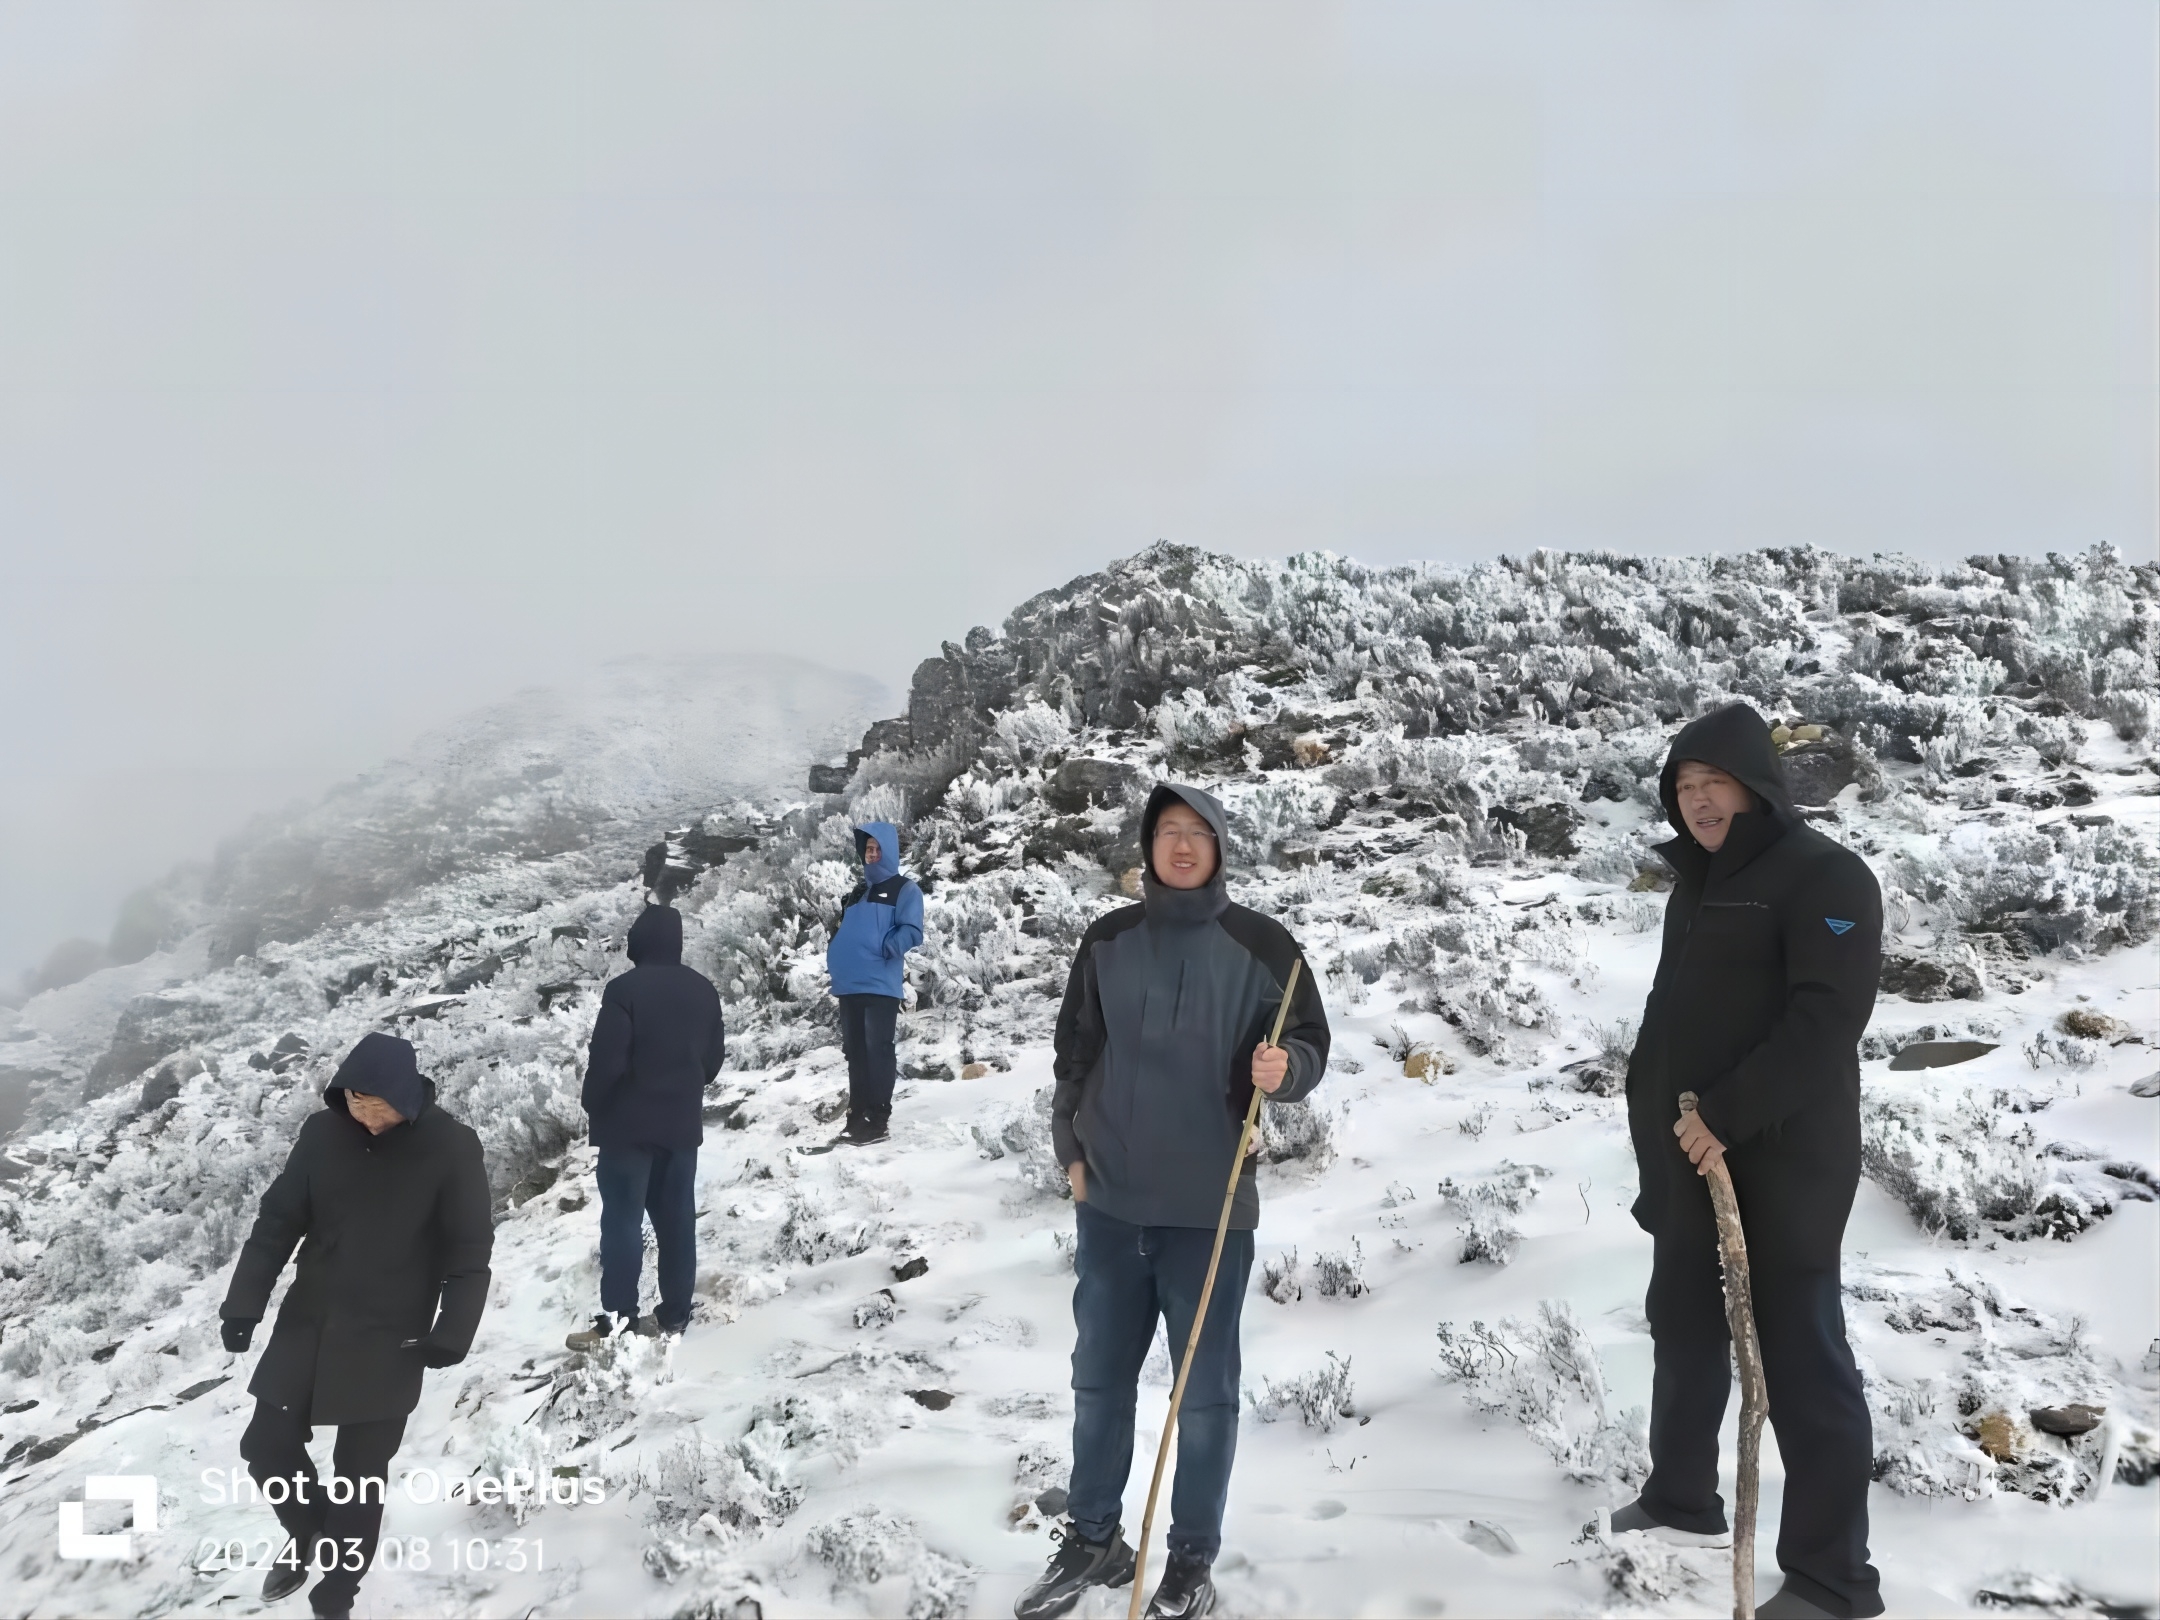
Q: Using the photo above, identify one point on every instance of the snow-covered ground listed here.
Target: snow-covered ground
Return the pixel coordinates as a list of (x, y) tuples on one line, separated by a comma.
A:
[(1442, 783)]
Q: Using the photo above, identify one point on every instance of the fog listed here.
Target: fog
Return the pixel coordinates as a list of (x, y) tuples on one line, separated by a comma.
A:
[(360, 366)]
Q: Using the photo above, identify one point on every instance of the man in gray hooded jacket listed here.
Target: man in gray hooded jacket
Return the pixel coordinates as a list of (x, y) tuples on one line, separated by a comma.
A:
[(1161, 1040)]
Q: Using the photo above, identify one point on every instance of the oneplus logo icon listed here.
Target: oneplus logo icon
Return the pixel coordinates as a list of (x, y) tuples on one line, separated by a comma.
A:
[(138, 1490)]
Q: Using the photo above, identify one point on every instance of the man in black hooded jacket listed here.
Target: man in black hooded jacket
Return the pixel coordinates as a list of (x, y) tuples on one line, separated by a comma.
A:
[(387, 1198), (656, 1045), (1772, 950), (1160, 1043)]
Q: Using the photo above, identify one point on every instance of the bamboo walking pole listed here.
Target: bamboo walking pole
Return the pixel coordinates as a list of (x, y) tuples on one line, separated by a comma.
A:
[(1754, 1393), (1207, 1293)]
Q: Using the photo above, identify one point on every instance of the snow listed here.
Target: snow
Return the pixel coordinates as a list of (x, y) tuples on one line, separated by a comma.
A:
[(1445, 1355)]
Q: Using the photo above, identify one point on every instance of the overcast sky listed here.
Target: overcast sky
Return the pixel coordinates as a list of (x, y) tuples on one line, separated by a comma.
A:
[(359, 365)]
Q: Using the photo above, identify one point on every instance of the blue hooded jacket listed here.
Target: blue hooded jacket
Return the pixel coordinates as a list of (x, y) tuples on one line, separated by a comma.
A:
[(879, 923)]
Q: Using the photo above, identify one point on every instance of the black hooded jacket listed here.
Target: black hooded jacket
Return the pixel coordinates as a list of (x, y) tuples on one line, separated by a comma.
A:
[(394, 1238), (1772, 950), (655, 1046), (1165, 1003)]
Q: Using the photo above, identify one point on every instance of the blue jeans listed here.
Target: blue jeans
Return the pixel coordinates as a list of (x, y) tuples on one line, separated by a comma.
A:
[(1130, 1275), (636, 1182)]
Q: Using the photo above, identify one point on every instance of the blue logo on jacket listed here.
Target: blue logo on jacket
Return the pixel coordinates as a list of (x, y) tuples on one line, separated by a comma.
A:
[(1838, 925)]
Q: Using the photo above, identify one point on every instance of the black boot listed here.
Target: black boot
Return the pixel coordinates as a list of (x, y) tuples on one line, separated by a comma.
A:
[(865, 1129), (1077, 1565), (1186, 1593), (288, 1573)]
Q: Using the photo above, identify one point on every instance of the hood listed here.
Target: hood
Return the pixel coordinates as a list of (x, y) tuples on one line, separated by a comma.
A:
[(381, 1066), (888, 842), (1184, 905), (1737, 741), (656, 936)]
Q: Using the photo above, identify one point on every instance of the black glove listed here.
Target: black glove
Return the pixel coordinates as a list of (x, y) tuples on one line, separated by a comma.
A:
[(436, 1355), (236, 1331)]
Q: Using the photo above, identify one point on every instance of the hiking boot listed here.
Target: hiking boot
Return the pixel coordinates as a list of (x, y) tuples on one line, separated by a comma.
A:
[(288, 1573), (863, 1131), (1186, 1593), (1637, 1517), (606, 1325), (1077, 1565)]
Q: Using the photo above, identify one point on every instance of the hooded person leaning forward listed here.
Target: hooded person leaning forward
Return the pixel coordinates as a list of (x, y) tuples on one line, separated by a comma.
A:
[(1160, 1042), (1773, 945), (386, 1197)]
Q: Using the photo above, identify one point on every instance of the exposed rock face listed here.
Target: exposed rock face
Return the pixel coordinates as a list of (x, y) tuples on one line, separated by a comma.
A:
[(151, 1028), (1819, 771), (1916, 978), (1080, 783)]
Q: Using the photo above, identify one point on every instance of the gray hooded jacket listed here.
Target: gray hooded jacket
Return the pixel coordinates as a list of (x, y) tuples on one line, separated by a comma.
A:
[(1166, 1001)]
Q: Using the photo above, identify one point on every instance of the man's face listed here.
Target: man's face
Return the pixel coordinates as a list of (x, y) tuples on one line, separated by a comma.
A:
[(377, 1115), (871, 854), (1709, 799), (1184, 848)]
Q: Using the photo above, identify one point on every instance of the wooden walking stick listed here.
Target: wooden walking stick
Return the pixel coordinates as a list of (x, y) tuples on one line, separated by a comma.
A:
[(1207, 1293), (1754, 1393)]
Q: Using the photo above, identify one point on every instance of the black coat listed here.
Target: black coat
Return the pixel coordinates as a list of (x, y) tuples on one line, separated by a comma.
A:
[(392, 1230), (1773, 947), (656, 1045)]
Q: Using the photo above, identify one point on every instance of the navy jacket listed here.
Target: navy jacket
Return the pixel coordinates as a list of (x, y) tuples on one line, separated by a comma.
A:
[(394, 1239), (879, 923), (655, 1046), (1165, 1003), (1773, 946)]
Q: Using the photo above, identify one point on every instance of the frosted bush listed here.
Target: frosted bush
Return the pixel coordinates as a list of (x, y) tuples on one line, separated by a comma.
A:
[(810, 1234), (1965, 1166), (1321, 1398), (863, 1549), (1300, 1132), (1545, 1375), (692, 1481), (1486, 1233), (1279, 1277), (1340, 1274)]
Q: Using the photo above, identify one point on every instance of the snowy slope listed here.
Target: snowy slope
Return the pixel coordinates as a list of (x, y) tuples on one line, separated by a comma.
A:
[(1443, 783)]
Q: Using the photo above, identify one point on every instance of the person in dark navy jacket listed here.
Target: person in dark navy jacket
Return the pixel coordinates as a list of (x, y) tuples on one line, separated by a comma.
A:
[(880, 922), (656, 1045), (1772, 951)]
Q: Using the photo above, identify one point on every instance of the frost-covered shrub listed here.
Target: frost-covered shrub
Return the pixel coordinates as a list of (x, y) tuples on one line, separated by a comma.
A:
[(1302, 1132), (1279, 1277), (1487, 1234), (1320, 1398), (1340, 1273), (1545, 1375), (1965, 1165), (1643, 1572), (811, 1234), (692, 1481), (1024, 1135), (862, 1549)]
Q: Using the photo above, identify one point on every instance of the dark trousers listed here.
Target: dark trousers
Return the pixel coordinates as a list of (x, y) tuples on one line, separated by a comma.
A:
[(337, 1537), (1129, 1276), (1817, 1408), (636, 1182), (868, 1025)]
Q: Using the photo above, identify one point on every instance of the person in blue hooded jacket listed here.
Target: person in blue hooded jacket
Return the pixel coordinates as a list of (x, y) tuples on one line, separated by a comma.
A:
[(656, 1045), (880, 922)]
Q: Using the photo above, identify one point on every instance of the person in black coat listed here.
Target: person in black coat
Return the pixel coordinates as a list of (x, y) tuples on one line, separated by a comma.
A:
[(656, 1045), (386, 1197), (1772, 950)]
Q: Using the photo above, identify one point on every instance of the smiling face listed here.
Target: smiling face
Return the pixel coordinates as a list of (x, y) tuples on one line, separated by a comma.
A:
[(1184, 853), (1709, 799)]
